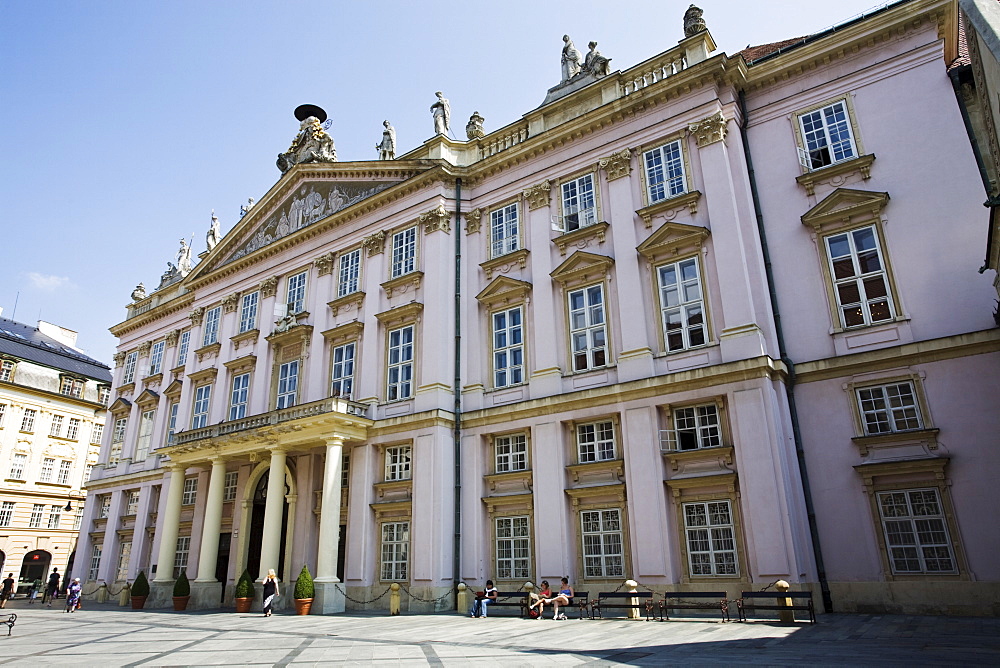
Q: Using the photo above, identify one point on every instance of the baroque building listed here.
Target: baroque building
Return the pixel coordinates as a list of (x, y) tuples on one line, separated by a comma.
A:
[(52, 406), (677, 324)]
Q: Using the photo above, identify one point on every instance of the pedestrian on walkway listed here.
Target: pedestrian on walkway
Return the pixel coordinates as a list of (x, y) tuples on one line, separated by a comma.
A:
[(73, 595), (33, 592), (52, 588), (8, 590), (270, 591)]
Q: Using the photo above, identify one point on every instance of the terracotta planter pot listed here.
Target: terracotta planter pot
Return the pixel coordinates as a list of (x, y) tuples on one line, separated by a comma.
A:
[(138, 602), (243, 604), (181, 602), (303, 606)]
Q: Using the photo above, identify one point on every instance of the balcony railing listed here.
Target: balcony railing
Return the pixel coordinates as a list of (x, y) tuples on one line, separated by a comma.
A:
[(331, 405)]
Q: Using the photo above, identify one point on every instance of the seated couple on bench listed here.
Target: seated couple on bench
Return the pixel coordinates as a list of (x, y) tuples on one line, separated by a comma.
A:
[(564, 598)]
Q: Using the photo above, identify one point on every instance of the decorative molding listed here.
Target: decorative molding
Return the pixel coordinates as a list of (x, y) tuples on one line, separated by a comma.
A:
[(353, 300), (249, 336), (210, 350), (839, 209), (503, 291), (245, 363), (505, 263), (197, 315), (837, 172), (119, 358), (618, 164), (144, 348), (401, 314), (199, 377), (155, 379), (343, 333), (473, 221), (268, 287), (582, 496), (672, 239), (538, 195), (402, 284), (710, 130), (581, 267), (230, 302), (294, 334), (435, 220), (374, 244), (324, 263), (581, 238), (669, 208), (147, 399), (171, 338)]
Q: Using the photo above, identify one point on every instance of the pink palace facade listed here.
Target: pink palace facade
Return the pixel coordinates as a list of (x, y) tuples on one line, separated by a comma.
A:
[(706, 322)]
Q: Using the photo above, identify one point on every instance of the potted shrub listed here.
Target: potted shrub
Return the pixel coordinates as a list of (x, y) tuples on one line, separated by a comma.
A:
[(140, 590), (304, 590), (244, 593), (182, 591)]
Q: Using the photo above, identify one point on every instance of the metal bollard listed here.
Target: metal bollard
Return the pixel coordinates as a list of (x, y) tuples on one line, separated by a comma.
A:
[(784, 615), (102, 593), (462, 600), (633, 613), (394, 599), (125, 597)]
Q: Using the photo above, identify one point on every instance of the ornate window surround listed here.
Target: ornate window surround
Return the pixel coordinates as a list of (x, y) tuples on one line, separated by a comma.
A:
[(583, 269)]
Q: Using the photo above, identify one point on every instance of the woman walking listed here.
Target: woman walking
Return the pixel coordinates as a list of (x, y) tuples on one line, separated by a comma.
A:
[(270, 591), (73, 595)]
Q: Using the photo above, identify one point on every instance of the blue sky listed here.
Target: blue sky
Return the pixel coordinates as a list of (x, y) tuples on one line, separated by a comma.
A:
[(123, 124)]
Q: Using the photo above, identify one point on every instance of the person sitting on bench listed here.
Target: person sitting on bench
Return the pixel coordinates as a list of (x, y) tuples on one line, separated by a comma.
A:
[(479, 605), (541, 598), (564, 597)]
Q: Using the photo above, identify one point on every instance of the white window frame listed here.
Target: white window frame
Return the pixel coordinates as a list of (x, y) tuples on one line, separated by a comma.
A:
[(88, 470), (288, 384), (229, 485), (602, 541), (664, 169), (7, 368), (295, 292), (28, 420), (128, 374), (156, 357), (398, 459), (55, 427), (73, 429), (105, 509), (117, 440), (65, 468), (399, 368), (394, 551), (171, 422), (189, 494), (201, 406), (889, 408), (181, 555), (17, 465), (579, 202), (682, 305), (183, 346), (3, 413), (342, 360), (146, 421), (95, 562), (96, 433), (508, 346), (210, 331), (72, 387), (588, 327), (124, 554), (510, 452), (710, 537), (37, 510), (861, 281), (505, 230), (239, 396), (513, 547), (596, 442), (404, 252), (915, 526), (45, 474), (349, 273), (132, 502), (6, 513), (823, 138), (697, 427), (248, 311), (55, 516)]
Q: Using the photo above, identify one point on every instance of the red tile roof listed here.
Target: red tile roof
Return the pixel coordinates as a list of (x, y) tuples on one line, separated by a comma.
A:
[(752, 53)]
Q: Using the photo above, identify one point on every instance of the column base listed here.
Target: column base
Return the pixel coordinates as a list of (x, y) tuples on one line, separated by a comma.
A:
[(205, 596), (328, 598), (161, 595)]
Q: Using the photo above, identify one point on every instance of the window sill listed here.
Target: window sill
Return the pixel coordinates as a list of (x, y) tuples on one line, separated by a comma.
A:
[(717, 459), (351, 300), (912, 444), (249, 336), (611, 470), (403, 283), (580, 238), (393, 491), (127, 388), (506, 262), (15, 480), (669, 208), (510, 481), (54, 484), (211, 349), (862, 164)]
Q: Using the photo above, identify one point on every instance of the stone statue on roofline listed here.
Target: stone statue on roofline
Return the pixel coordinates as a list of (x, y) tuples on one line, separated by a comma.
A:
[(570, 59), (474, 128), (245, 208), (139, 293), (693, 21), (441, 111), (184, 258), (213, 236), (387, 147), (595, 64), (312, 143)]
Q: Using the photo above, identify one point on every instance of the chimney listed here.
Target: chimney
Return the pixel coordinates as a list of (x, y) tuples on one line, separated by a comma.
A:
[(64, 336)]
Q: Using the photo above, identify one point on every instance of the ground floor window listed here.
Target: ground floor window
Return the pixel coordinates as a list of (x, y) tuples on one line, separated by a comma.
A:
[(513, 548), (95, 562), (916, 532), (395, 550), (181, 555), (602, 543), (124, 553), (711, 538)]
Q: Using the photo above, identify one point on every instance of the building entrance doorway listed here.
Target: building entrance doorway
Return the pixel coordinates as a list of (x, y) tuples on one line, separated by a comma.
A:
[(254, 567), (222, 562), (35, 566), (341, 552)]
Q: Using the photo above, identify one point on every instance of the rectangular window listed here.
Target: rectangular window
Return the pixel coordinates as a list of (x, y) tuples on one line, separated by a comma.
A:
[(55, 429), (47, 465), (916, 532), (156, 358), (711, 538), (128, 375), (117, 441), (36, 515), (345, 470), (248, 312), (395, 550), (132, 502), (96, 433), (399, 376), (190, 493), (7, 371), (105, 510), (103, 394), (28, 421), (504, 232), (72, 387), (288, 384), (124, 553), (73, 430), (404, 252), (229, 485), (578, 203), (342, 371), (55, 514), (587, 328), (595, 442), (349, 275), (87, 471), (681, 307), (239, 396), (3, 412), (397, 463), (202, 397), (211, 330), (513, 549), (181, 555), (697, 427), (511, 453), (602, 543), (6, 513), (827, 136), (859, 278), (889, 408), (664, 172), (182, 347), (17, 464), (508, 348), (64, 468), (145, 436), (295, 294), (95, 562), (77, 521), (171, 422)]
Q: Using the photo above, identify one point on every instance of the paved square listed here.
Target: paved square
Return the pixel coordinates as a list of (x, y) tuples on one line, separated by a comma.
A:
[(107, 635)]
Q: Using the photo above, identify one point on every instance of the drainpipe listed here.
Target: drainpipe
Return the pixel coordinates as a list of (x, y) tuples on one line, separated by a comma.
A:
[(790, 383), (456, 572)]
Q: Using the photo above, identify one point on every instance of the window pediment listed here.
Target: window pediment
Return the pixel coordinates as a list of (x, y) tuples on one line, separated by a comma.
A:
[(294, 334), (403, 283), (343, 333), (582, 267), (173, 390), (862, 165), (208, 374), (581, 237), (504, 290), (506, 262), (120, 405), (844, 207), (400, 314), (147, 398), (669, 208), (245, 363), (672, 239)]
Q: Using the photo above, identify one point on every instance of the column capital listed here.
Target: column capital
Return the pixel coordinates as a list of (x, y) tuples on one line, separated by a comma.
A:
[(336, 439), (177, 468)]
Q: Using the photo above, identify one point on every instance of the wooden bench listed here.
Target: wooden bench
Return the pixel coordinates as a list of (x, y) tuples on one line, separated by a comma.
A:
[(511, 599), (748, 601), (9, 622), (622, 600), (694, 600)]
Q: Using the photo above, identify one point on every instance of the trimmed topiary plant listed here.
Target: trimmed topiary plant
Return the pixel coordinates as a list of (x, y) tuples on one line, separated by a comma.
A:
[(141, 585), (181, 586), (244, 586), (304, 587)]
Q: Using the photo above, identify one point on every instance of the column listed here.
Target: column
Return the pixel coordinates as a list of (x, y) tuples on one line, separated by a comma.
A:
[(270, 550), (209, 553), (329, 520), (169, 525)]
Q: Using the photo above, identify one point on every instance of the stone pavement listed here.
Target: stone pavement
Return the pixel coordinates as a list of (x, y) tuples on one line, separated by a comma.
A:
[(107, 635)]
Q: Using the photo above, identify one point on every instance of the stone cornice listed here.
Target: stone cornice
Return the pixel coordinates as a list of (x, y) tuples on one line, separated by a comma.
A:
[(160, 311), (58, 398), (204, 375), (401, 314), (344, 333)]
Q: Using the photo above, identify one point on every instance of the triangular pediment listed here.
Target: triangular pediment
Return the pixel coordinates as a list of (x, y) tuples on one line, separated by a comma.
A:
[(120, 405), (174, 388), (845, 205), (582, 265), (147, 397), (305, 196), (504, 289), (673, 239)]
